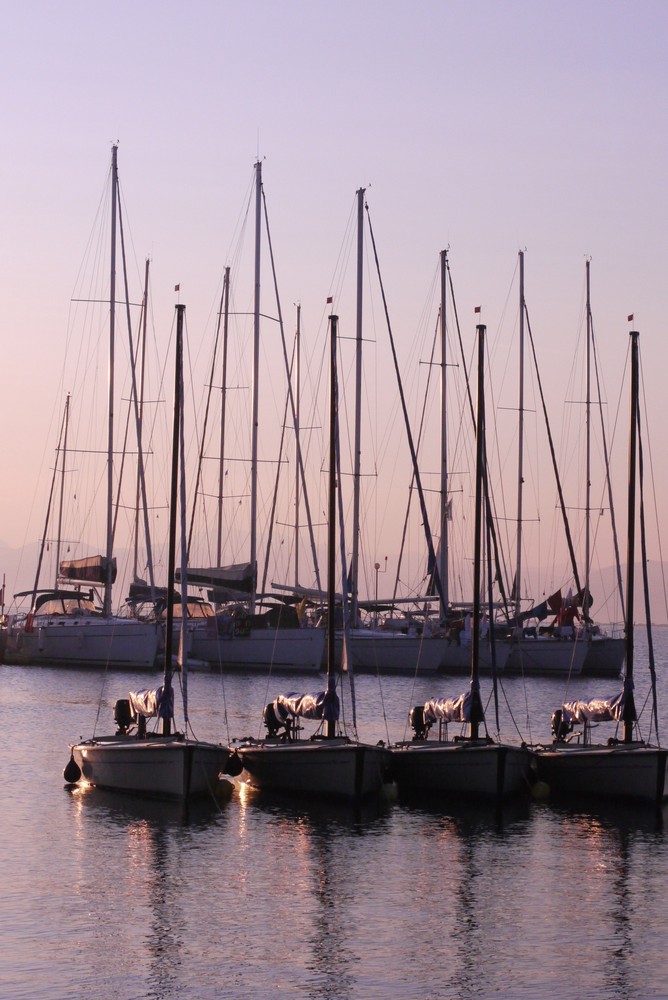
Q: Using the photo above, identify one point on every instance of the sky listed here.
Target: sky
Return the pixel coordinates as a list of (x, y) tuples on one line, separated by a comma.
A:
[(478, 126)]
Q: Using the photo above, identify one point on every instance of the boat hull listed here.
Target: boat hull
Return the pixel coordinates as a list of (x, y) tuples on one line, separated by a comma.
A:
[(117, 643), (471, 769), (334, 768), (622, 771), (387, 653), (162, 767), (547, 657), (287, 650), (606, 656)]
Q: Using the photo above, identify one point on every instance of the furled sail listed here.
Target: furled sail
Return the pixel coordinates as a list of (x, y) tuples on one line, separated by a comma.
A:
[(595, 710), (448, 709), (237, 577), (152, 703), (307, 706), (92, 569)]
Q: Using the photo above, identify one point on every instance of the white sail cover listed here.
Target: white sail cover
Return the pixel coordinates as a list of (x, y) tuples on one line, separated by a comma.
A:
[(595, 710), (148, 703), (448, 709), (305, 706)]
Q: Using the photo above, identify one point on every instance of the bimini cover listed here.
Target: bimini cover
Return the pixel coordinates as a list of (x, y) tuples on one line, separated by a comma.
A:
[(93, 569), (596, 710), (238, 577), (448, 709), (152, 703), (307, 706)]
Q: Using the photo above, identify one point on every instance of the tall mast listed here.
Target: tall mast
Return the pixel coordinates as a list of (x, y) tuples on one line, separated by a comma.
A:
[(443, 550), (223, 411), (354, 610), (629, 712), (331, 522), (110, 426), (520, 450), (477, 713), (66, 421), (173, 504), (297, 405), (588, 448), (256, 374)]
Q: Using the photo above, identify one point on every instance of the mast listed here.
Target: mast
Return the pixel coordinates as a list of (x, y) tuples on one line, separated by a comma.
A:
[(110, 416), (477, 714), (66, 421), (173, 504), (331, 525), (588, 448), (354, 569), (520, 450), (297, 406), (256, 374), (629, 713), (443, 550), (223, 411)]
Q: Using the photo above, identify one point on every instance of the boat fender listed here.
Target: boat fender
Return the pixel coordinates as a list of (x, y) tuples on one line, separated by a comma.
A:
[(72, 771), (233, 765)]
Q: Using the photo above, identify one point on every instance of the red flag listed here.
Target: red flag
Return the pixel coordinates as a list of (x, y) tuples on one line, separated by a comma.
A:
[(177, 288), (477, 309), (329, 300), (630, 318)]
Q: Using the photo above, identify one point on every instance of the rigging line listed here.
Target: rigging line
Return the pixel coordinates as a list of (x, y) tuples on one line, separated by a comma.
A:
[(293, 409), (411, 445), (497, 562), (656, 506), (643, 545), (419, 443), (202, 438), (133, 354), (48, 511), (562, 504), (606, 460), (270, 533)]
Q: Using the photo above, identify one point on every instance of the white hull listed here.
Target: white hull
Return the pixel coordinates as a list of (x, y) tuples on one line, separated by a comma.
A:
[(161, 766), (557, 657), (335, 768), (392, 653), (622, 771), (58, 640), (290, 650), (486, 770)]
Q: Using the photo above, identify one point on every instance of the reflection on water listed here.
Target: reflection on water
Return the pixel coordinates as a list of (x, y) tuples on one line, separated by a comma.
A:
[(112, 898)]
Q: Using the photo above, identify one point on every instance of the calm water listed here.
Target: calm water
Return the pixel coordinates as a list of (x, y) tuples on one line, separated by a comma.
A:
[(104, 897)]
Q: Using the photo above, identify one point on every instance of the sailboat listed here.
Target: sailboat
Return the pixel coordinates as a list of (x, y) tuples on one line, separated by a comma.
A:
[(534, 651), (329, 763), (470, 764), (70, 624), (626, 768), (166, 764), (241, 635)]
